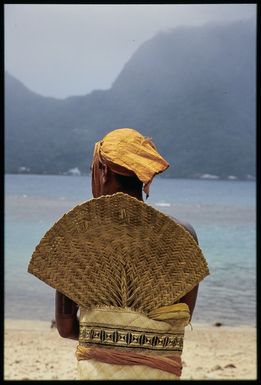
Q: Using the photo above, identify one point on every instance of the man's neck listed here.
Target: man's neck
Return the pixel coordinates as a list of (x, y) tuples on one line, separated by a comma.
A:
[(136, 194)]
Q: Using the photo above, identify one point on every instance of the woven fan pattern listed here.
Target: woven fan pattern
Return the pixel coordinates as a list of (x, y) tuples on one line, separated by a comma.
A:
[(116, 250)]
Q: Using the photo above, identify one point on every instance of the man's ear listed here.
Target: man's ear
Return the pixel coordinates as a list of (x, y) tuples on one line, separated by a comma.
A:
[(105, 174)]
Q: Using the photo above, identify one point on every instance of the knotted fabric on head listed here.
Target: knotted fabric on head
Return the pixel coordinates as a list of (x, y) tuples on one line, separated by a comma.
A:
[(126, 152)]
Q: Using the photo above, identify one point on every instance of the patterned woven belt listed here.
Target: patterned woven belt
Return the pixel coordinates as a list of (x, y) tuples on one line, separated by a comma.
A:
[(130, 337)]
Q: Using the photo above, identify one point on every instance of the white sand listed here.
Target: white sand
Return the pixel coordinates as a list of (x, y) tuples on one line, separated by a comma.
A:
[(35, 351)]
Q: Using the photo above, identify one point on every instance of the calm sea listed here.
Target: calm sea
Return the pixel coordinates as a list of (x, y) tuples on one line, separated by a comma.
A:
[(223, 214)]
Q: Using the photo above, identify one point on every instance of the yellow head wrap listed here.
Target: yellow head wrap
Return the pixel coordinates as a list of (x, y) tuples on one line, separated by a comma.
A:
[(126, 152)]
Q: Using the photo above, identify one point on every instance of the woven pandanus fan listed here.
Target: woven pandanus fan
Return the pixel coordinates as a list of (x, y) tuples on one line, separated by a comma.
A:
[(116, 250)]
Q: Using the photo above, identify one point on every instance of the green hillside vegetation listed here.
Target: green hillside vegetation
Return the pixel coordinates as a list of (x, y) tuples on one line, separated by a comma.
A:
[(192, 90)]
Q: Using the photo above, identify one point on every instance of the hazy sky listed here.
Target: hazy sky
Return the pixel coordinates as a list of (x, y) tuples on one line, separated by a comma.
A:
[(63, 50)]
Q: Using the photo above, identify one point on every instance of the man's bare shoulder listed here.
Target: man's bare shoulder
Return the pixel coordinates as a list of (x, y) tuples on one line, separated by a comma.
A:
[(187, 226)]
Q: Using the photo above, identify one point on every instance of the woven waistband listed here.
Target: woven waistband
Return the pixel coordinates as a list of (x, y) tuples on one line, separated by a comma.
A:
[(128, 338), (126, 330)]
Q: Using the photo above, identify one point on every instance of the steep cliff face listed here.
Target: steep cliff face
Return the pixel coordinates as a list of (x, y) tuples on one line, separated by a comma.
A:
[(192, 90)]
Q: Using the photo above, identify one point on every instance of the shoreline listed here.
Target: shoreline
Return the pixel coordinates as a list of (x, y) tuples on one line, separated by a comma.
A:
[(33, 350), (205, 176), (13, 322)]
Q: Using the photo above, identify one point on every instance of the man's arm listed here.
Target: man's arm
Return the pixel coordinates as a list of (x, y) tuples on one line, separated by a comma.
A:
[(66, 316), (191, 297)]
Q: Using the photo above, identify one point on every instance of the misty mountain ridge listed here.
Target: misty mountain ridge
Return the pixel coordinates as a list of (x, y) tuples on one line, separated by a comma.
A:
[(191, 89)]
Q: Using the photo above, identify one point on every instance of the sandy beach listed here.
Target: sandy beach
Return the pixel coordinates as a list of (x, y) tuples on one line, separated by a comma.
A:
[(35, 351)]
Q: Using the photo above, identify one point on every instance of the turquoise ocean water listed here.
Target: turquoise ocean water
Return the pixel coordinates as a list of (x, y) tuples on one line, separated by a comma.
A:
[(223, 214)]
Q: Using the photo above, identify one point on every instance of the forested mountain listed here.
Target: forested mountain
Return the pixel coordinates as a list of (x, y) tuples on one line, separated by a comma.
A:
[(192, 89)]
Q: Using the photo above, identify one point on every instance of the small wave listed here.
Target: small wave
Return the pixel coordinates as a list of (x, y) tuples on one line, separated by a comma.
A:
[(162, 204)]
